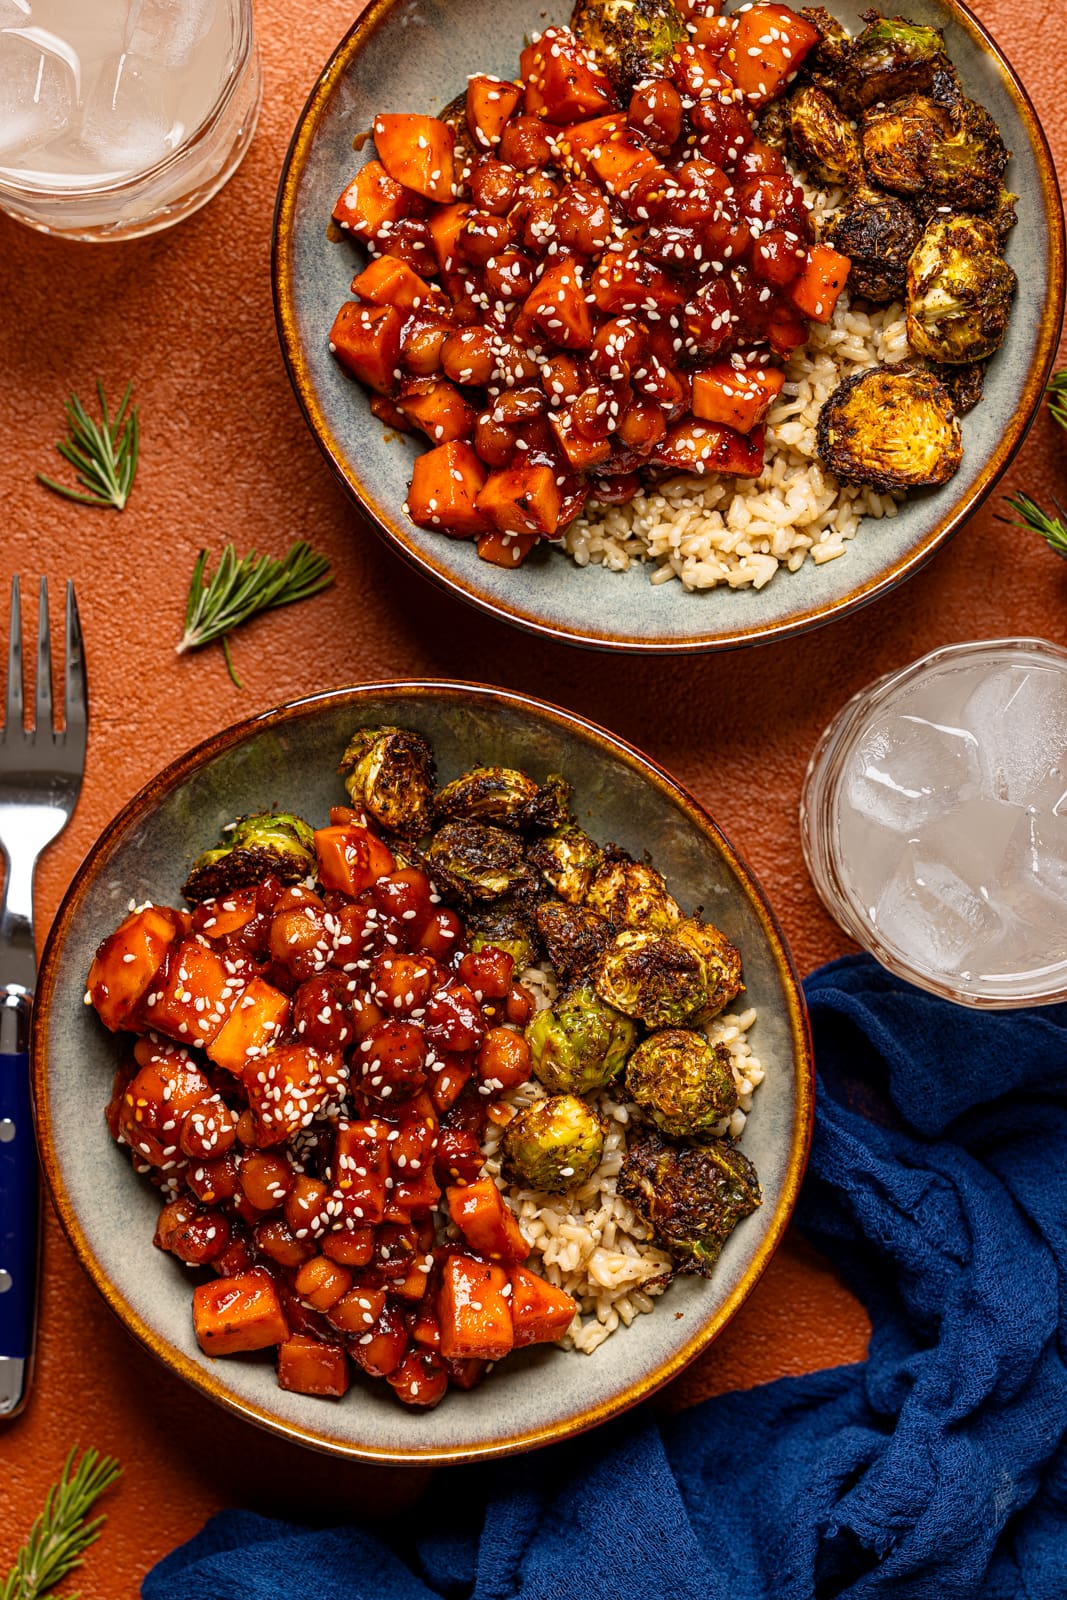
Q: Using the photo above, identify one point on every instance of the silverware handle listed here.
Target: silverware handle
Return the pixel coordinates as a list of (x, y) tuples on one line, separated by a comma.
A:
[(19, 1209)]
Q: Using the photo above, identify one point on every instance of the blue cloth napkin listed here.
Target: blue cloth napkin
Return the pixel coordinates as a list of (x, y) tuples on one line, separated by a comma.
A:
[(936, 1469)]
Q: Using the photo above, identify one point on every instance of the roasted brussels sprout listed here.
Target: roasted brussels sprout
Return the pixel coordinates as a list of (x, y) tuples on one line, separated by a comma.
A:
[(1002, 214), (632, 39), (682, 1083), (390, 773), (631, 894), (554, 1144), (721, 962), (964, 385), (573, 936), (567, 859), (877, 232), (892, 427), (580, 1044), (505, 925), (474, 861), (651, 976), (692, 1197), (824, 138), (270, 844), (959, 291), (487, 794), (898, 141), (892, 57)]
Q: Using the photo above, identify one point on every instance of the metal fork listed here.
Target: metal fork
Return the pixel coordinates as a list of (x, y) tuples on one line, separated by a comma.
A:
[(40, 778)]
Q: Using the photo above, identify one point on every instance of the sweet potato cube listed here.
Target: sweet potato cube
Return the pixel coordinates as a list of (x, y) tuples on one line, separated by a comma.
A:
[(127, 961), (228, 914), (581, 453), (578, 142), (239, 1313), (490, 102), (627, 281), (622, 161), (373, 202), (413, 1196), (286, 1088), (361, 1167), (556, 306), (695, 446), (696, 72), (351, 858), (486, 1221), (739, 397), (822, 277), (192, 996), (769, 44), (445, 485), (259, 1014), (366, 341), (473, 1310), (389, 282), (309, 1366), (418, 152), (540, 1312), (446, 225), (437, 407), (522, 500), (504, 549), (563, 80)]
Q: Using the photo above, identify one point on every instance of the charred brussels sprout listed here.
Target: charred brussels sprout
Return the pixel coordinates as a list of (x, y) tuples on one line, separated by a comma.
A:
[(892, 57), (580, 1044), (505, 926), (631, 894), (682, 1083), (692, 1197), (877, 232), (651, 976), (893, 427), (271, 844), (567, 859), (824, 139), (959, 291), (898, 140), (966, 169), (475, 861), (389, 771), (487, 794), (720, 960), (574, 937), (953, 154), (633, 39), (554, 1144)]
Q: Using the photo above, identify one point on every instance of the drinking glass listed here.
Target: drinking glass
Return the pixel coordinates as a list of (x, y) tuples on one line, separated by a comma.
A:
[(934, 821), (120, 117)]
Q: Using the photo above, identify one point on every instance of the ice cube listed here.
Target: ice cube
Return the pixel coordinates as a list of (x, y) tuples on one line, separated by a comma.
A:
[(168, 31), (929, 915), (907, 771), (39, 76), (977, 840), (1019, 717), (124, 125)]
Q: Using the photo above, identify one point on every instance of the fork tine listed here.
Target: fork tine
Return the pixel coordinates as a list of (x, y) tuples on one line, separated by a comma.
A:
[(75, 699), (13, 708), (43, 707)]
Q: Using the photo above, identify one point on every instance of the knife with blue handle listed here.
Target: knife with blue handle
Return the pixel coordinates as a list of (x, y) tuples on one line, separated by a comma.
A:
[(18, 1204)]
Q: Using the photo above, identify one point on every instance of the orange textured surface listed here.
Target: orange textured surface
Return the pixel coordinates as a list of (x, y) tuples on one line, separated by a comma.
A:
[(187, 315)]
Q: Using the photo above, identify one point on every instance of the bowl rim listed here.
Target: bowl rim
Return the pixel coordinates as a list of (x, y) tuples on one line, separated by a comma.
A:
[(393, 532), (140, 807)]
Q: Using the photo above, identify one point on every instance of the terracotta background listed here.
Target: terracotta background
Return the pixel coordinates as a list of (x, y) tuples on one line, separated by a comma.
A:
[(187, 316)]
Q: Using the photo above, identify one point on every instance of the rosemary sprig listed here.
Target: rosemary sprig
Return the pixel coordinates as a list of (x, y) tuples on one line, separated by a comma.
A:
[(1057, 397), (63, 1532), (1030, 515), (103, 454), (240, 589)]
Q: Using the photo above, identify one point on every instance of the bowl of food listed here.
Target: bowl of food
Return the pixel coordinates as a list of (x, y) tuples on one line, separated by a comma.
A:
[(617, 340), (464, 1092)]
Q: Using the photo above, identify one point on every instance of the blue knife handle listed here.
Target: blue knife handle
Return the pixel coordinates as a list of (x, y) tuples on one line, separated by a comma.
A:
[(18, 1218)]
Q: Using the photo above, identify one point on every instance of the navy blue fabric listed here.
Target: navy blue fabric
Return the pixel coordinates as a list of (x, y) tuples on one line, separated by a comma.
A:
[(936, 1469)]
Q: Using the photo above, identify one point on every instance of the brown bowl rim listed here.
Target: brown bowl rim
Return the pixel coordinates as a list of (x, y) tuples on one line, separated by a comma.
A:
[(396, 535), (140, 807)]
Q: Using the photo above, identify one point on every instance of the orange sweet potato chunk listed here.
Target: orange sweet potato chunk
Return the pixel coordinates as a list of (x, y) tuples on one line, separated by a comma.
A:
[(127, 961), (540, 1312), (310, 1366), (366, 341), (524, 500), (473, 1311), (417, 151), (258, 1015), (445, 485), (486, 1221), (240, 1313)]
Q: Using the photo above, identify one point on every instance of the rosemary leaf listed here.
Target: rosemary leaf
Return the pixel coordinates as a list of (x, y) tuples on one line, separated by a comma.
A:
[(104, 455), (1057, 397), (1028, 514), (240, 589), (64, 1531)]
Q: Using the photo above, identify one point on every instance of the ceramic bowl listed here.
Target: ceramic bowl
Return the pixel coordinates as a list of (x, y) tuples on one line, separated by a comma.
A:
[(287, 759), (414, 55)]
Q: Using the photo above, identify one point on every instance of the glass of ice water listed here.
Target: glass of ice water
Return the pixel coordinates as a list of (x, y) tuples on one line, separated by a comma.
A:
[(120, 117), (934, 821)]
